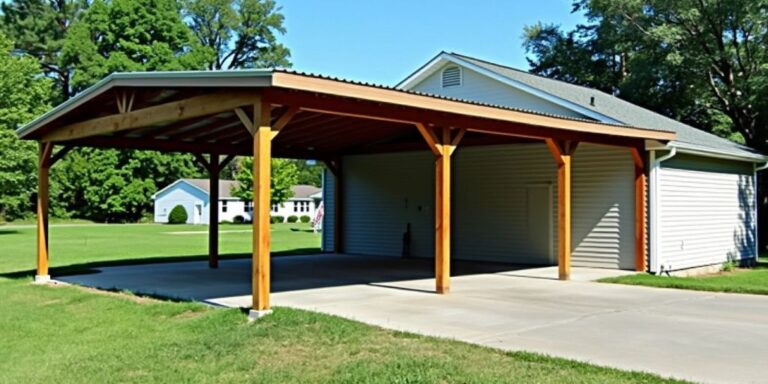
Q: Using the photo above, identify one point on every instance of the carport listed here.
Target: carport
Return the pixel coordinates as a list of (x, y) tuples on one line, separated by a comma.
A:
[(280, 113)]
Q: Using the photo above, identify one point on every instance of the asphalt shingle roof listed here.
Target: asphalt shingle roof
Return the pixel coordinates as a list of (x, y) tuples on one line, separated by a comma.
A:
[(615, 108)]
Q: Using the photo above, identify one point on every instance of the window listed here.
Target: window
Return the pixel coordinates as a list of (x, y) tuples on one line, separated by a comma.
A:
[(274, 207), (295, 206), (451, 77), (248, 206), (224, 206)]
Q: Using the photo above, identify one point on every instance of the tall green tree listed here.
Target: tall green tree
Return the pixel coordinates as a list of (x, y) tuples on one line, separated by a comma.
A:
[(129, 35), (284, 176), (24, 94), (38, 29), (238, 33), (112, 36), (700, 61)]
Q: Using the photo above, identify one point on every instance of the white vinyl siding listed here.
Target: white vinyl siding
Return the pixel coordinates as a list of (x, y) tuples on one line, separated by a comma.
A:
[(480, 88), (603, 223), (489, 202), (382, 194), (706, 217)]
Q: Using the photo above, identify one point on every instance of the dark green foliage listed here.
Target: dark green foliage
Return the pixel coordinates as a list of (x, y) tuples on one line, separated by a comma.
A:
[(238, 219), (284, 177), (277, 219), (305, 219), (178, 215), (293, 218), (115, 186), (23, 95), (700, 62), (238, 34)]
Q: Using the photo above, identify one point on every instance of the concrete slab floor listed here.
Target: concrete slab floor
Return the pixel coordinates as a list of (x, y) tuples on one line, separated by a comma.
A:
[(700, 336)]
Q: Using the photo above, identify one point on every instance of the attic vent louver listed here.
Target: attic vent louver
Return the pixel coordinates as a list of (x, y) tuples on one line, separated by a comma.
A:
[(451, 77)]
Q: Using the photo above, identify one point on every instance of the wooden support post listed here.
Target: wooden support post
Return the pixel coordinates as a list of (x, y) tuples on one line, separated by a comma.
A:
[(46, 149), (640, 203), (563, 151), (262, 156), (443, 216), (442, 146), (214, 169)]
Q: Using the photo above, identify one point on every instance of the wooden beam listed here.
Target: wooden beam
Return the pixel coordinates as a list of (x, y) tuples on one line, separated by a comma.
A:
[(443, 215), (283, 120), (431, 139), (245, 119), (202, 161), (640, 210), (456, 140), (563, 151), (42, 211), (178, 110), (60, 154), (214, 170), (262, 156), (244, 149)]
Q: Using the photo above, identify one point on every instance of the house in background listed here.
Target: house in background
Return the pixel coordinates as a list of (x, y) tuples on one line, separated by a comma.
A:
[(305, 202), (701, 190), (193, 195)]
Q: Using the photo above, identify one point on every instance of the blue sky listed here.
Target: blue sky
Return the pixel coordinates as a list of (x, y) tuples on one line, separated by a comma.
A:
[(384, 41)]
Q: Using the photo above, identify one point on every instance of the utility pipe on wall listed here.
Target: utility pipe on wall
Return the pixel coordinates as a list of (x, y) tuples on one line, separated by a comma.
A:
[(655, 201)]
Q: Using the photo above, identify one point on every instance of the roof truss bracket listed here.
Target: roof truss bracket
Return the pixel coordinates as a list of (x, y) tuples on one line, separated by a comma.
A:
[(284, 119), (124, 101), (560, 148), (245, 119)]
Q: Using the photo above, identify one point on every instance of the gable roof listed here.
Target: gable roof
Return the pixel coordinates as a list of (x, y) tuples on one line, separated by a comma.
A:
[(591, 103), (226, 187)]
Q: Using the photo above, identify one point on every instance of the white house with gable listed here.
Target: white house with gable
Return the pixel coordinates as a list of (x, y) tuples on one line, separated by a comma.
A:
[(193, 195)]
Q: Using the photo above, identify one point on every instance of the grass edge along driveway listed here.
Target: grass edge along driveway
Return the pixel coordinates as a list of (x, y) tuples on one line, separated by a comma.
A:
[(72, 335), (741, 280)]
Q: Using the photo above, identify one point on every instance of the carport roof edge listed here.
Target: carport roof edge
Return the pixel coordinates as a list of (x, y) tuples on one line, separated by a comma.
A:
[(262, 78)]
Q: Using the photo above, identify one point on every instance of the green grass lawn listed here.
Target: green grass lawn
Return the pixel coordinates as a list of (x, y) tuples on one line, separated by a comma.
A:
[(752, 280), (75, 335), (109, 243)]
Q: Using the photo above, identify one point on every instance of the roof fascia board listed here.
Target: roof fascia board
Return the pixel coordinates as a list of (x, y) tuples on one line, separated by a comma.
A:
[(443, 58), (707, 152), (438, 104), (256, 78)]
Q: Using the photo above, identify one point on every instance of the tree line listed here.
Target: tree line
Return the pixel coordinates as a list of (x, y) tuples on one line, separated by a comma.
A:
[(52, 49)]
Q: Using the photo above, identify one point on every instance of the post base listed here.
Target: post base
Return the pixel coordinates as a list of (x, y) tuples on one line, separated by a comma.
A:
[(254, 315), (42, 279)]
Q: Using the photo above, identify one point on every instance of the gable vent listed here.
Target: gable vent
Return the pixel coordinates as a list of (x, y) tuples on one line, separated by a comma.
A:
[(451, 77)]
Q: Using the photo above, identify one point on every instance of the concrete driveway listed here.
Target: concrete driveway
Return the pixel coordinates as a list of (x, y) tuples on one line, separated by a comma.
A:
[(706, 337)]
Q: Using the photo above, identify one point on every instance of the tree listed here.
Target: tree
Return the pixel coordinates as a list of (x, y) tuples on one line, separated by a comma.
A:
[(38, 28), (239, 33), (123, 35), (129, 35), (309, 173), (702, 62), (24, 94), (284, 177)]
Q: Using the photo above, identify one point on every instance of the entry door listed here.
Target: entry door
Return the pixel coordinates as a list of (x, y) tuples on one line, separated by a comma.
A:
[(539, 224)]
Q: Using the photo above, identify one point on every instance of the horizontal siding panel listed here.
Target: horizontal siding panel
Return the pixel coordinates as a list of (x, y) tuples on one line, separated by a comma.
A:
[(603, 207), (705, 217)]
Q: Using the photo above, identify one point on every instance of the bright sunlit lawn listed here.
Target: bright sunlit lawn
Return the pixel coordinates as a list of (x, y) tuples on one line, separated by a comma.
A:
[(741, 280), (76, 335)]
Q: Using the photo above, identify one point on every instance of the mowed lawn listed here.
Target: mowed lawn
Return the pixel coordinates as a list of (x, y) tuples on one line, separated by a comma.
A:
[(742, 280), (68, 334), (105, 243)]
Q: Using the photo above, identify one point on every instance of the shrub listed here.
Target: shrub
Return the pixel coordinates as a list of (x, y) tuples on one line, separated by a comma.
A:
[(178, 215), (293, 218), (305, 219), (277, 219), (238, 219)]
